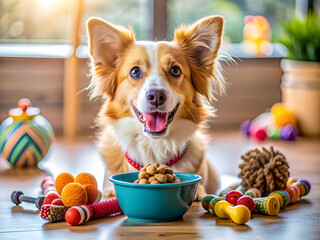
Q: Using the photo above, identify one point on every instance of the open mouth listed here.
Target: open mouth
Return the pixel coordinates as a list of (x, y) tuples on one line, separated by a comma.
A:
[(156, 123)]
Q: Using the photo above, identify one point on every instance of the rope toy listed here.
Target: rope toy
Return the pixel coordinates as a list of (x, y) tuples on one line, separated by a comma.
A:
[(80, 214), (266, 170)]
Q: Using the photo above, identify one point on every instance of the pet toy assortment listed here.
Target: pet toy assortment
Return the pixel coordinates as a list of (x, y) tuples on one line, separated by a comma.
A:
[(66, 198), (234, 205), (225, 207), (266, 170), (280, 122), (156, 174), (77, 191), (221, 208), (80, 214), (265, 188), (251, 198), (25, 136), (75, 194)]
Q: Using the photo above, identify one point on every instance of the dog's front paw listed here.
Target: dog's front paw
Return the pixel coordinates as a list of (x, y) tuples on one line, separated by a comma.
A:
[(200, 193), (108, 192)]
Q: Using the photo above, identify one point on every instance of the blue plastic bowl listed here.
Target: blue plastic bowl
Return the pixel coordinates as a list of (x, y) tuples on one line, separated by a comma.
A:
[(155, 202)]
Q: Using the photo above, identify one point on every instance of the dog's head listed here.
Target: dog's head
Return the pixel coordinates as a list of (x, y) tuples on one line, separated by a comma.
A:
[(156, 82)]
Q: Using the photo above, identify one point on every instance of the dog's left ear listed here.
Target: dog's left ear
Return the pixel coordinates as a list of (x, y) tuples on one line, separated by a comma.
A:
[(201, 42)]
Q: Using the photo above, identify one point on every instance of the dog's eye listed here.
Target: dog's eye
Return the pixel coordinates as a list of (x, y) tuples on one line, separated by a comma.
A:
[(175, 71), (136, 73)]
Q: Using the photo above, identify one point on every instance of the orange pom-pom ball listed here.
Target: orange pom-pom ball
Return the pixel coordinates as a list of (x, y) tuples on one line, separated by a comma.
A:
[(62, 180), (86, 178), (92, 192), (74, 194)]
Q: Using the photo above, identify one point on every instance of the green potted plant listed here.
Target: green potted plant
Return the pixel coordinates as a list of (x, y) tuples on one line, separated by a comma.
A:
[(301, 71)]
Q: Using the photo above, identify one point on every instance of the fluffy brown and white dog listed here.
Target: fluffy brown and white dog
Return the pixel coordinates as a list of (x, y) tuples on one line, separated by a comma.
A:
[(156, 97)]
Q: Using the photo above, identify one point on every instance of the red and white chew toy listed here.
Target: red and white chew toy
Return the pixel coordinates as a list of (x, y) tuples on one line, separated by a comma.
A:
[(47, 185), (53, 213), (80, 214)]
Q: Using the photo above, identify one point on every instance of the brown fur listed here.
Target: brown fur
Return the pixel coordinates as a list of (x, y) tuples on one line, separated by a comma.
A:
[(194, 51)]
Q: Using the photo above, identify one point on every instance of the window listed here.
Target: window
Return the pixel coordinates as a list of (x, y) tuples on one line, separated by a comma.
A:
[(121, 12), (234, 12), (34, 21), (49, 21)]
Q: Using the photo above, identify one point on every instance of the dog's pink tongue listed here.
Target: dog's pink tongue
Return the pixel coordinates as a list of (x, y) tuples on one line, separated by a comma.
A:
[(156, 122)]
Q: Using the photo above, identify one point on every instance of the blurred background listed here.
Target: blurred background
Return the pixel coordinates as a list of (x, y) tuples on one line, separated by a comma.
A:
[(43, 53)]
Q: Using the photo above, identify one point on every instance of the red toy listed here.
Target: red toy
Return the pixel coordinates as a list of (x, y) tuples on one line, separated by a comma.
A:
[(80, 214), (246, 201), (50, 197), (233, 196), (47, 185)]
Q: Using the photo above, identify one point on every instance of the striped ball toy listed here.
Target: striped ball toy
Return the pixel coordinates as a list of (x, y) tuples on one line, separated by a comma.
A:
[(25, 136)]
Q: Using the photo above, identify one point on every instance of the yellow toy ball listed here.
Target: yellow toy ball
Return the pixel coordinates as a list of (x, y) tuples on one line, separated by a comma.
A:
[(282, 115)]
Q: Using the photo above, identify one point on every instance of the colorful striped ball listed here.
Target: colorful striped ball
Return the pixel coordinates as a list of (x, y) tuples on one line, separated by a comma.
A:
[(25, 143)]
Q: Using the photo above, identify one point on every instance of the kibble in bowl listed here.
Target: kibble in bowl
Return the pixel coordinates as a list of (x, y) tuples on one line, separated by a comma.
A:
[(156, 202), (156, 174)]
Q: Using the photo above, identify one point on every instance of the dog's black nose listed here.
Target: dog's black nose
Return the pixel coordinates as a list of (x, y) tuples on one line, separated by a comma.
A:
[(156, 97)]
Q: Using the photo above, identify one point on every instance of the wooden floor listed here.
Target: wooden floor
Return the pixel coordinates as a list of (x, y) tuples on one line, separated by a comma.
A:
[(298, 221)]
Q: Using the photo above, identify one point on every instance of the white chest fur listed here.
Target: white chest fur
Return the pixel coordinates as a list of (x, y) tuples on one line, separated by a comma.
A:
[(142, 149)]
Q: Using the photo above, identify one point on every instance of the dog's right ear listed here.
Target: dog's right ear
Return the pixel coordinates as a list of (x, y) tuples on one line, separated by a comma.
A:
[(106, 43)]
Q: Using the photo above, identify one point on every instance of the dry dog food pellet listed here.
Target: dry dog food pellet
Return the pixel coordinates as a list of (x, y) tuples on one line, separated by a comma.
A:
[(152, 170), (143, 175), (143, 181), (156, 174), (169, 177), (161, 177), (155, 182), (161, 170), (151, 179)]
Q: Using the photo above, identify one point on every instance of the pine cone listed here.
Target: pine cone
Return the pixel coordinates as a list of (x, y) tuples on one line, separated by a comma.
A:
[(267, 170)]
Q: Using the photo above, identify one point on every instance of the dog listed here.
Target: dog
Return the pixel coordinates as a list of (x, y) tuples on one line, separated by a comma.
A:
[(157, 97)]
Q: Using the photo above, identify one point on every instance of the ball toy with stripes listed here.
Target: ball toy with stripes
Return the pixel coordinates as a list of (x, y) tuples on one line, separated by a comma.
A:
[(25, 136)]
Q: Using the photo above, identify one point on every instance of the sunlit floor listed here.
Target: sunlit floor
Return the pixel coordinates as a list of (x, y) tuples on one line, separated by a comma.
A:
[(224, 151)]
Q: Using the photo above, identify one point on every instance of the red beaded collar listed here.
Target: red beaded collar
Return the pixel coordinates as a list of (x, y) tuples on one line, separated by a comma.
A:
[(170, 163)]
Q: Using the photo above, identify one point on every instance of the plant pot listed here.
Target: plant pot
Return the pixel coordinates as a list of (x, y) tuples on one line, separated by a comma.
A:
[(301, 93)]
